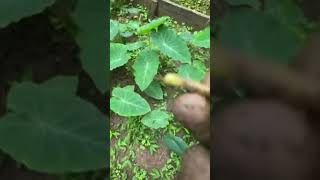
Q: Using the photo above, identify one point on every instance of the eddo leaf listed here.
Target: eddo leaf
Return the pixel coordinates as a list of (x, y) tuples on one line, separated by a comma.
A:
[(114, 29), (171, 44), (202, 38), (92, 40), (118, 55), (146, 29), (14, 10), (190, 72), (54, 132), (154, 90), (156, 119), (126, 102), (175, 144), (145, 68)]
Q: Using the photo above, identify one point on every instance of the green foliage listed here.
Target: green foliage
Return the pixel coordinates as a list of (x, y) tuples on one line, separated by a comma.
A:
[(145, 68), (160, 46), (118, 55), (154, 24), (114, 29), (126, 102), (171, 45), (191, 72), (15, 10), (202, 38), (48, 137), (154, 90), (156, 119), (92, 40), (175, 144)]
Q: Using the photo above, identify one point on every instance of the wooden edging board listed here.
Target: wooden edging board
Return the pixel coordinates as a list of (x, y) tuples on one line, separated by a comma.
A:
[(177, 12)]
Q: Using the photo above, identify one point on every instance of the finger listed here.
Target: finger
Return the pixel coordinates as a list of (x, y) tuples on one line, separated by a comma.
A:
[(195, 164), (206, 80), (193, 111)]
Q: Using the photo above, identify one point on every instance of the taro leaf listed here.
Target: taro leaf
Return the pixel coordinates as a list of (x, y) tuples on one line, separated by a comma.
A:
[(118, 55), (126, 34), (200, 66), (136, 45), (171, 44), (114, 29), (92, 38), (156, 119), (129, 87), (126, 102), (154, 90), (154, 24), (187, 36), (259, 34), (190, 72), (175, 144), (253, 3), (202, 38), (63, 84), (14, 10), (145, 68), (134, 25), (54, 132)]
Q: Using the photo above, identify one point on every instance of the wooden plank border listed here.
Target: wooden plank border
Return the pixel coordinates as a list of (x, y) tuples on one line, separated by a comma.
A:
[(177, 12)]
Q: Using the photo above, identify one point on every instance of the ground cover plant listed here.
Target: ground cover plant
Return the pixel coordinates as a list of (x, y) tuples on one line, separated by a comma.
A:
[(146, 141), (53, 86), (202, 6)]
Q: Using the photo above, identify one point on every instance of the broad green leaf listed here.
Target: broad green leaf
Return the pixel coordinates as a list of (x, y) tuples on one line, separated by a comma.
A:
[(156, 119), (125, 102), (146, 29), (190, 72), (200, 66), (129, 87), (63, 83), (145, 68), (175, 144), (186, 35), (202, 38), (114, 29), (118, 55), (136, 45), (14, 10), (126, 34), (154, 90), (253, 3), (92, 38), (171, 44), (134, 25), (56, 133), (259, 34)]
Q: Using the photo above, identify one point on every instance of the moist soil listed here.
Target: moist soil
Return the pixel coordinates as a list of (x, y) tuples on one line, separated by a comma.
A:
[(36, 50)]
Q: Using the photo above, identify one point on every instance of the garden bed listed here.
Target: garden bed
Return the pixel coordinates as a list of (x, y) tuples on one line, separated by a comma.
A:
[(139, 149), (178, 12)]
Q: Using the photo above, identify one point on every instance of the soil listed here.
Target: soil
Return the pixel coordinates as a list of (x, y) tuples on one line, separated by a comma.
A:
[(34, 48), (144, 159)]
